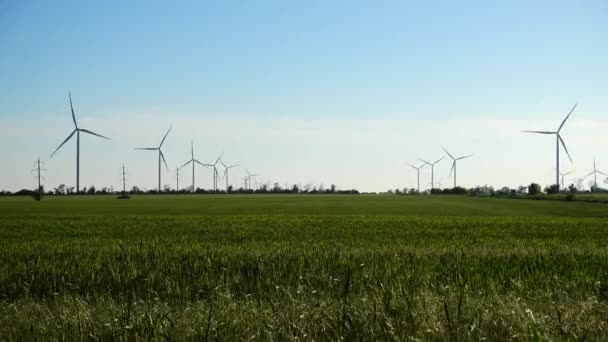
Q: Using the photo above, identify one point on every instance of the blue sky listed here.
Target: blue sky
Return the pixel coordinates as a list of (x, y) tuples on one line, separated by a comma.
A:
[(343, 92)]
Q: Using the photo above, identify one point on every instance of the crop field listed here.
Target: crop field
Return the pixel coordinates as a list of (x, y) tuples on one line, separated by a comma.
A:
[(282, 267)]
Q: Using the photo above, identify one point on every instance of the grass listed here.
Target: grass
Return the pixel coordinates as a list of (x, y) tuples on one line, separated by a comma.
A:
[(306, 267)]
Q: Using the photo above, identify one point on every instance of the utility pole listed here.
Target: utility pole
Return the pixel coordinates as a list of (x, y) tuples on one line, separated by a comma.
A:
[(124, 182), (38, 171)]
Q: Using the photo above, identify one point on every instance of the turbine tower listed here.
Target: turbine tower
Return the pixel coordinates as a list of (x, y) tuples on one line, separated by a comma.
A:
[(558, 140), (454, 160), (193, 161), (77, 131), (432, 165), (594, 173), (160, 155), (225, 175), (418, 172)]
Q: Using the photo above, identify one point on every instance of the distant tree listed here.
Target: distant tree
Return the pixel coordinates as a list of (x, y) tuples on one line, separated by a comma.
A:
[(295, 189), (522, 189), (534, 189), (166, 188), (230, 188), (70, 190), (572, 188), (135, 190), (91, 190), (333, 188), (552, 189), (39, 194), (579, 183), (60, 190)]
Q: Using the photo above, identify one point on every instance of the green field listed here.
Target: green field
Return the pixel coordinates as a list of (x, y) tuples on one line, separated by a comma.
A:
[(307, 267)]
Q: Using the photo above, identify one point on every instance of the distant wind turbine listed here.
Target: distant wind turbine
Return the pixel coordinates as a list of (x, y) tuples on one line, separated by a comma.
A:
[(432, 165), (225, 175), (558, 140), (418, 172), (563, 176), (249, 176), (160, 155), (215, 173), (77, 131), (454, 160), (594, 173), (193, 161)]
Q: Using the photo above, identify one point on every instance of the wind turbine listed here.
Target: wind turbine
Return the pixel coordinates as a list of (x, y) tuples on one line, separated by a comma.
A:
[(249, 175), (418, 171), (215, 173), (594, 173), (193, 161), (226, 168), (160, 155), (563, 176), (454, 160), (76, 131), (558, 140), (432, 165)]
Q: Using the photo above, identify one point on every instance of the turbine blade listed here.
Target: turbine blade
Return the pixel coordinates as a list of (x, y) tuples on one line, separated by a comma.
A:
[(93, 133), (147, 148), (592, 172), (231, 166), (601, 173), (594, 167), (192, 148), (165, 137), (566, 119), (219, 158), (564, 145), (163, 158), (224, 165), (438, 160), (426, 162), (188, 162), (452, 169), (66, 140), (446, 151), (540, 132), (465, 157), (72, 108), (201, 164)]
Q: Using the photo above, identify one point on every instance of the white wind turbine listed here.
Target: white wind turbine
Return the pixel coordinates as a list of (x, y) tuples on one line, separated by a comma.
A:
[(76, 131), (225, 175), (594, 173), (563, 176), (249, 176), (215, 173), (558, 141), (454, 160), (432, 165), (193, 161), (418, 172), (160, 155)]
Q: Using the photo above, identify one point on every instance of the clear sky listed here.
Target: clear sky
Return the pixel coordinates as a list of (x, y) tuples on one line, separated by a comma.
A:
[(344, 92)]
